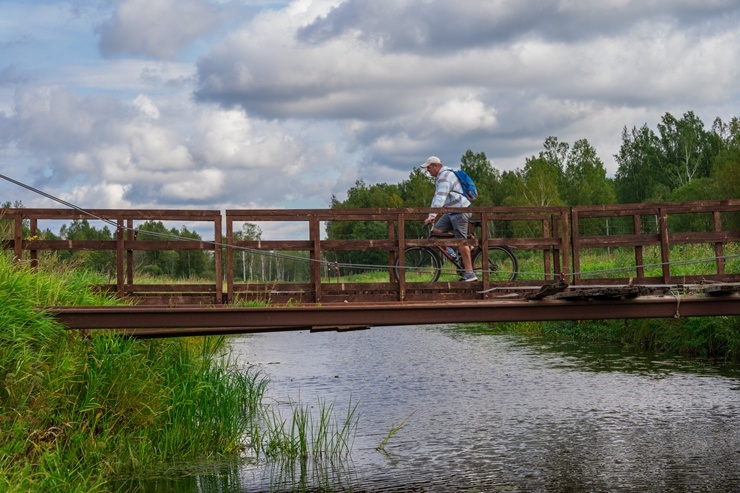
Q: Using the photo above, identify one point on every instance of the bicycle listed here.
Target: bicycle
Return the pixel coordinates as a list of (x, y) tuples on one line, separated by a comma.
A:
[(427, 264)]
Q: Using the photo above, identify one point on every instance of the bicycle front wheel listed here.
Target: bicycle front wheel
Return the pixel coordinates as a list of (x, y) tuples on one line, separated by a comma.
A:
[(420, 264), (502, 264)]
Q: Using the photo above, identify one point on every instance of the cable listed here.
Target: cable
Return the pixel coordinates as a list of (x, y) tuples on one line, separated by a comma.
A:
[(180, 238)]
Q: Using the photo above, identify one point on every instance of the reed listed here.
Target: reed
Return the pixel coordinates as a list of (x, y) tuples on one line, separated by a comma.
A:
[(304, 436), (75, 410), (394, 430)]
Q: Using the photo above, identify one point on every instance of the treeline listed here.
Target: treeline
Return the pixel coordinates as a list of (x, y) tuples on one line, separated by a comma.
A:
[(175, 264), (679, 161), (184, 264)]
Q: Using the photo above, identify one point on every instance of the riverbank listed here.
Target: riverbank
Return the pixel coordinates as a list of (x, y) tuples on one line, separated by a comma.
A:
[(709, 338), (76, 410)]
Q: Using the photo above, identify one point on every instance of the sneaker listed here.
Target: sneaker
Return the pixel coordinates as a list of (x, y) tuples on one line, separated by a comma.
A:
[(469, 277)]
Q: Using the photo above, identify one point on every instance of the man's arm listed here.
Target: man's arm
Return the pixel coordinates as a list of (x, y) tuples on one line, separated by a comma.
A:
[(440, 194)]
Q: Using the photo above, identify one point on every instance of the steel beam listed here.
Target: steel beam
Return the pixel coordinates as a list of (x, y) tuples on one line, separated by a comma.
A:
[(221, 319)]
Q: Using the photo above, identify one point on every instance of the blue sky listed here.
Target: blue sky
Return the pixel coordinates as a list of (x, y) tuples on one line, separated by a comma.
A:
[(259, 104)]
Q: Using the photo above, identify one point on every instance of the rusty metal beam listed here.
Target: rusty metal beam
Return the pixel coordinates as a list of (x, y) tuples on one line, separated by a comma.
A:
[(227, 320)]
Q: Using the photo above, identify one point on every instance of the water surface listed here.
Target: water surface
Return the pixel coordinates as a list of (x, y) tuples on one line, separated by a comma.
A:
[(491, 412)]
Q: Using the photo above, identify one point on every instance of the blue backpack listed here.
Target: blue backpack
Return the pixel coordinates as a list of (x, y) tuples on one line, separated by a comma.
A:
[(469, 190)]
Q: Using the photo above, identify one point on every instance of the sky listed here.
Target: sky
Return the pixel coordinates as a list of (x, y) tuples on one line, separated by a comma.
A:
[(242, 104)]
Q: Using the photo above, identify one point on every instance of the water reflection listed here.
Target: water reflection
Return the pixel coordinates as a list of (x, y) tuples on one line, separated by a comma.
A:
[(491, 412)]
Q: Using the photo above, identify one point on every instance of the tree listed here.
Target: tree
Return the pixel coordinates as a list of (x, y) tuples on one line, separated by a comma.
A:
[(102, 261), (245, 260), (362, 196), (584, 177), (537, 184), (726, 169), (190, 263), (686, 149), (172, 263), (418, 190), (485, 176), (638, 174)]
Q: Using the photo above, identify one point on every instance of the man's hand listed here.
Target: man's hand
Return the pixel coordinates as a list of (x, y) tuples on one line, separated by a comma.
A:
[(429, 220)]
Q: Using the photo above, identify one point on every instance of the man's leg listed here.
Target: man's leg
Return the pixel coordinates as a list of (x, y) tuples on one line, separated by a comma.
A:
[(443, 225), (466, 258), (460, 227)]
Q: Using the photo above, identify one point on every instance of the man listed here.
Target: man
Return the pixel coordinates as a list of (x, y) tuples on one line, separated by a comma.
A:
[(449, 193)]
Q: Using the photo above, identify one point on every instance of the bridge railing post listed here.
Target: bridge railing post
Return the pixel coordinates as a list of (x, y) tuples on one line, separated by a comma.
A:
[(665, 254), (401, 245), (565, 243), (120, 254), (314, 236), (218, 259)]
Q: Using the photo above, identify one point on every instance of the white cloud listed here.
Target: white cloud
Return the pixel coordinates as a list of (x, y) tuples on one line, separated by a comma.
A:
[(111, 195), (146, 106), (206, 184), (157, 28), (292, 104), (462, 115)]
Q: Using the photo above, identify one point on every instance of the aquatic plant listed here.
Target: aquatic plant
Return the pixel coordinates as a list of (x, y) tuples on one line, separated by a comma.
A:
[(76, 410), (302, 435)]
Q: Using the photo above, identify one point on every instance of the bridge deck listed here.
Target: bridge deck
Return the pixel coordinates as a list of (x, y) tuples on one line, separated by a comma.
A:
[(151, 321)]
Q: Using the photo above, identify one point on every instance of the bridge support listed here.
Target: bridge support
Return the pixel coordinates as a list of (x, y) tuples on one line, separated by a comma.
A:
[(168, 322)]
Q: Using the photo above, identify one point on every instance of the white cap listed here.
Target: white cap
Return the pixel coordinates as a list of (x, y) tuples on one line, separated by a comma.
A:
[(430, 160)]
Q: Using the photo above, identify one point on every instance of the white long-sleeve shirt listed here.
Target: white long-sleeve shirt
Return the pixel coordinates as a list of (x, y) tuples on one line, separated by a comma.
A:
[(449, 192)]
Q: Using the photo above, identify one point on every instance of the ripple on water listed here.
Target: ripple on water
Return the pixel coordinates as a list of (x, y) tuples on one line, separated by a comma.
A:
[(499, 413)]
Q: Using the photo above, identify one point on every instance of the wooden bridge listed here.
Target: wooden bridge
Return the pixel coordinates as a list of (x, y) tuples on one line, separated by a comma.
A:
[(678, 254)]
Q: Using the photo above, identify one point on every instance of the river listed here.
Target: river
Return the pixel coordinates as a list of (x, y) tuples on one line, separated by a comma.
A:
[(490, 412)]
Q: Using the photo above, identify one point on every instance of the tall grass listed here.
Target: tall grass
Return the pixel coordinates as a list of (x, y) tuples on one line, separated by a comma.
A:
[(708, 338), (304, 436), (77, 410)]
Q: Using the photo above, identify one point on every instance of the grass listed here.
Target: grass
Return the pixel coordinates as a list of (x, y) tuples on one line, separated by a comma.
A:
[(685, 260), (78, 411), (305, 436), (394, 430), (617, 262), (708, 338)]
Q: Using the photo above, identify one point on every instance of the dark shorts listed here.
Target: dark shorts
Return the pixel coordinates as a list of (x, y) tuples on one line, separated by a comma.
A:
[(457, 222)]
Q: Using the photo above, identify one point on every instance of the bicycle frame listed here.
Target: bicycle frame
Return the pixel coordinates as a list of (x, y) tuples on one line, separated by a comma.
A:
[(443, 249), (427, 262)]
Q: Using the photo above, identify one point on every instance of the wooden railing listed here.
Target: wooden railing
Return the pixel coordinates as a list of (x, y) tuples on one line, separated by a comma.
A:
[(553, 239), (661, 226)]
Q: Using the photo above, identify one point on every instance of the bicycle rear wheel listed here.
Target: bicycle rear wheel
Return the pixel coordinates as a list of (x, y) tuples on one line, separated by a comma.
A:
[(502, 264), (420, 264)]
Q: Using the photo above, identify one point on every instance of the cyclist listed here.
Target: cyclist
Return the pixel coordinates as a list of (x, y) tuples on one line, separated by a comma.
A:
[(449, 193)]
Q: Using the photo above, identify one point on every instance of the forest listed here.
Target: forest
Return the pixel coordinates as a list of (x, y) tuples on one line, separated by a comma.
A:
[(680, 160)]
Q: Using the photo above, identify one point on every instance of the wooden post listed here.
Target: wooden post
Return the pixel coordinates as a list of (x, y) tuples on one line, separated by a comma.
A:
[(130, 253), (665, 256), (718, 246), (484, 252), (639, 257), (315, 238), (217, 256), (575, 248), (18, 239), (401, 257), (120, 255), (546, 252), (229, 259), (34, 253)]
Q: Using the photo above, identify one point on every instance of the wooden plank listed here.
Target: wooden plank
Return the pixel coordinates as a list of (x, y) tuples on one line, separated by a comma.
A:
[(722, 289), (604, 293)]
